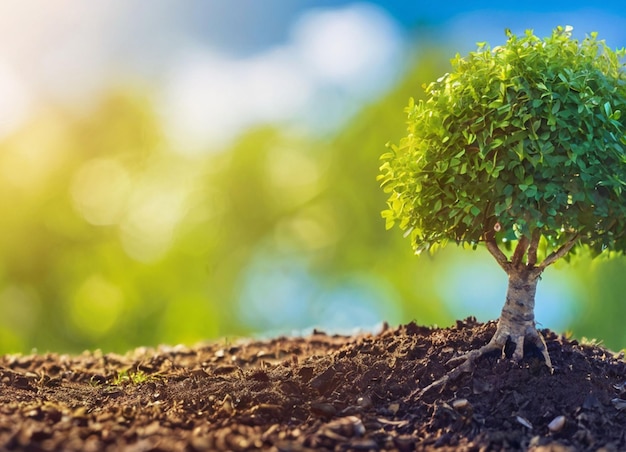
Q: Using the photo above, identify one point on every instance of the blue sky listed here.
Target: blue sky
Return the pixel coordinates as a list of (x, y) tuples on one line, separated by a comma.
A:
[(268, 22)]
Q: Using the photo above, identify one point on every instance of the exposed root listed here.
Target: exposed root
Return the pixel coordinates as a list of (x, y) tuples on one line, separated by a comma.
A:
[(517, 320), (467, 362)]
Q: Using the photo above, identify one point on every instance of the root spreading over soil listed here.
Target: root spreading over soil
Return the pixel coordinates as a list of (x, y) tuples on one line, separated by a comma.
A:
[(317, 393)]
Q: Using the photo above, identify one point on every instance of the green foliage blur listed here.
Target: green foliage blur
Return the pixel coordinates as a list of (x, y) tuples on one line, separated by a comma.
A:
[(111, 239)]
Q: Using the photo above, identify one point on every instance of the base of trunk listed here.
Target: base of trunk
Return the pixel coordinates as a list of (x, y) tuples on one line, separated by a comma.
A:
[(517, 320), (516, 323), (518, 334)]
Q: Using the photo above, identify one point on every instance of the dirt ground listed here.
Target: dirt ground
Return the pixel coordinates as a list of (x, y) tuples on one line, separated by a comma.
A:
[(318, 392)]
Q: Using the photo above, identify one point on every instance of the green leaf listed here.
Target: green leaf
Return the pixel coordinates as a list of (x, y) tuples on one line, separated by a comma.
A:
[(528, 132)]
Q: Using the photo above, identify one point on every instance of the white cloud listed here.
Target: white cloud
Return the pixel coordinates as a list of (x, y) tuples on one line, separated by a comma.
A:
[(346, 46), (209, 97), (335, 58)]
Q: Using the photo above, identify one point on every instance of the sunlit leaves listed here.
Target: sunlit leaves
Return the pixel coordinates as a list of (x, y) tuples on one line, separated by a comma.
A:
[(529, 135)]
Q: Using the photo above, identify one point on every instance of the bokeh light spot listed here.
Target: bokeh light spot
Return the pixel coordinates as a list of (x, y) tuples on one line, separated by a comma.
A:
[(100, 191), (20, 314), (96, 306), (156, 206)]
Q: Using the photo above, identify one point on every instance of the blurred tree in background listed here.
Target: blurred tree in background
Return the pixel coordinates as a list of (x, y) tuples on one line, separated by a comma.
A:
[(113, 239)]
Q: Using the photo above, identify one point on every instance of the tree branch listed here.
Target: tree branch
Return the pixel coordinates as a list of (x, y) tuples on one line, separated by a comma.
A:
[(562, 251), (520, 250), (499, 256), (532, 249)]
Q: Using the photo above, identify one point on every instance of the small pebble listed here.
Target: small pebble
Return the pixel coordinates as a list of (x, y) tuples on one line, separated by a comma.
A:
[(227, 405), (364, 402), (460, 404), (393, 407), (323, 409), (556, 424)]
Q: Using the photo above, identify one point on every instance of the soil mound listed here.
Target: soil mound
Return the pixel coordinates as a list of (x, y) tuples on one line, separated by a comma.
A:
[(318, 392)]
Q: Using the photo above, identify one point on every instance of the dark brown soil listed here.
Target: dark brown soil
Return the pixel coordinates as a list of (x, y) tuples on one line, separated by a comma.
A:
[(316, 393)]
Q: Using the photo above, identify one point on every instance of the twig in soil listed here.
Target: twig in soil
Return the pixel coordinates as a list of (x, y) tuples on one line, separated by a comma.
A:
[(467, 366)]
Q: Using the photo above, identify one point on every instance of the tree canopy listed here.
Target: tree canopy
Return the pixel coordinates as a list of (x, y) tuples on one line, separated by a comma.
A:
[(525, 139)]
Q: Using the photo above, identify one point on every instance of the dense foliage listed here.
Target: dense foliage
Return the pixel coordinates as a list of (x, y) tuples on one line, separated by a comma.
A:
[(523, 139)]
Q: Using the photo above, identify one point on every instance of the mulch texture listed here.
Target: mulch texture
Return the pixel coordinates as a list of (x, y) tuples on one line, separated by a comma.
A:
[(318, 392)]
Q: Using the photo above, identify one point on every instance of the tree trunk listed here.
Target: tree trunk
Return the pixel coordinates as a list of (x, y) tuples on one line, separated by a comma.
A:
[(517, 320)]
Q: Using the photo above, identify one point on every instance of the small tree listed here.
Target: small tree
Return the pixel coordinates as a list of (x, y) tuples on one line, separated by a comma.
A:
[(523, 148)]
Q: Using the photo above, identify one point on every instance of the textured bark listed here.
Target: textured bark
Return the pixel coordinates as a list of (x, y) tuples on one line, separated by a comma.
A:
[(517, 320)]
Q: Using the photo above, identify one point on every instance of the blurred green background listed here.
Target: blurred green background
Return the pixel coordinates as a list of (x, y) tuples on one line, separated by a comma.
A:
[(172, 172)]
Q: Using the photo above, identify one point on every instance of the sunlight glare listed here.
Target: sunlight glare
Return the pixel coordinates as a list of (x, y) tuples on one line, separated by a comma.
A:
[(16, 100)]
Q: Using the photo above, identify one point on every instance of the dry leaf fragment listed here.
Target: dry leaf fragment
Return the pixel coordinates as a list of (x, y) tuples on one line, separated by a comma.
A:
[(619, 404), (525, 422)]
